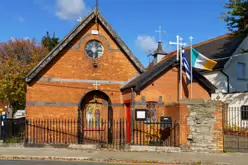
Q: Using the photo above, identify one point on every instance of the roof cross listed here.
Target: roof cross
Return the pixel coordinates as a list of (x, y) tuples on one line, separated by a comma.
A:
[(160, 33), (80, 19), (179, 45)]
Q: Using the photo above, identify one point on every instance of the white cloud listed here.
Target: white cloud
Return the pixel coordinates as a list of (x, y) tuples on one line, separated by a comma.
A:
[(146, 43), (20, 19), (149, 44), (71, 9)]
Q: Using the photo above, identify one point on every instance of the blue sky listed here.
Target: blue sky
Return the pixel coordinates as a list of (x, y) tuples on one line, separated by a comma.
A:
[(134, 20)]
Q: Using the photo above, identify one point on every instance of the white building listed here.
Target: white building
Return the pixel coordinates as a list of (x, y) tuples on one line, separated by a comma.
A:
[(230, 75)]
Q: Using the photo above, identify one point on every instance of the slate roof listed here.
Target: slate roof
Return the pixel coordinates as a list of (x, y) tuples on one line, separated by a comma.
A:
[(159, 49), (220, 48), (148, 76), (74, 33)]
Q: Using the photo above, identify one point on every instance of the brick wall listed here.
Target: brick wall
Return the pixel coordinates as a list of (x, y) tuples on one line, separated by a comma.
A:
[(167, 87), (73, 63)]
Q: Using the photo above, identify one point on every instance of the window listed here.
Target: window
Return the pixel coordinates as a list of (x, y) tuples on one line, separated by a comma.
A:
[(94, 49), (93, 115), (151, 112), (241, 70), (244, 112)]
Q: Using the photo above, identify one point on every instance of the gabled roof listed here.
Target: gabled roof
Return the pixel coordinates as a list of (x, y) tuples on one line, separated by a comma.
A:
[(148, 76), (73, 34), (220, 48)]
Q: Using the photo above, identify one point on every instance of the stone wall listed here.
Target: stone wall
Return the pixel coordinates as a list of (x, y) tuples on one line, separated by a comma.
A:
[(206, 128)]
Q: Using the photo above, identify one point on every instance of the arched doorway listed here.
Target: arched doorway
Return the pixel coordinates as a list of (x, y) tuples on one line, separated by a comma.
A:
[(95, 118)]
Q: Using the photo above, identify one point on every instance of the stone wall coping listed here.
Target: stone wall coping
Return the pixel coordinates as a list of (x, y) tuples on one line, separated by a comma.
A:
[(194, 102)]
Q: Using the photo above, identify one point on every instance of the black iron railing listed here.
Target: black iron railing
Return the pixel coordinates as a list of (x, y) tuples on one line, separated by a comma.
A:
[(115, 133), (235, 126)]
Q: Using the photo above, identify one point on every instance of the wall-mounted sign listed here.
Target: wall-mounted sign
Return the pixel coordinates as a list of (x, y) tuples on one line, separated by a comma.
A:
[(140, 114), (95, 32)]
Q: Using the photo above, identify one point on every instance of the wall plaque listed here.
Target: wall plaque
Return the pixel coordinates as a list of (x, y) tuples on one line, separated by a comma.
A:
[(140, 114)]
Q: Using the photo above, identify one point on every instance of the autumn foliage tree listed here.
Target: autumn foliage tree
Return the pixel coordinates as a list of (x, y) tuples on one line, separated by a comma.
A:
[(17, 58)]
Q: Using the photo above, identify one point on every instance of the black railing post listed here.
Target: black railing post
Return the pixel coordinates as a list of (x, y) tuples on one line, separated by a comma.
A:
[(175, 128), (120, 133), (1, 134)]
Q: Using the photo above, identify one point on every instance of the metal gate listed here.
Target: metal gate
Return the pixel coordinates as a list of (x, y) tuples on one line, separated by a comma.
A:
[(235, 121), (12, 130)]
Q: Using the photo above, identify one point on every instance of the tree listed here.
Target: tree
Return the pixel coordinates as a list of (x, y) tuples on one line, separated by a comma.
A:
[(17, 58), (49, 42), (237, 17)]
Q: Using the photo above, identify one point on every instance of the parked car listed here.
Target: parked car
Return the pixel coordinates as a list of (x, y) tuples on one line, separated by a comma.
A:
[(19, 114)]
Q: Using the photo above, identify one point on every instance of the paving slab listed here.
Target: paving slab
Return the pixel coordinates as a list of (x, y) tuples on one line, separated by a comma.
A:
[(120, 156)]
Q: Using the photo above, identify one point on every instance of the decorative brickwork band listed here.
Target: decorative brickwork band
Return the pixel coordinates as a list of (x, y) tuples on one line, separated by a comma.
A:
[(80, 81), (89, 35)]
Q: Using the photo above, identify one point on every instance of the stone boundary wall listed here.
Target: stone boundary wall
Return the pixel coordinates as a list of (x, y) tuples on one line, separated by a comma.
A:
[(204, 120)]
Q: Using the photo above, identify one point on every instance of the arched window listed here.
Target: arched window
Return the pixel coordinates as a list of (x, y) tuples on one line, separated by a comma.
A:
[(93, 115), (151, 112)]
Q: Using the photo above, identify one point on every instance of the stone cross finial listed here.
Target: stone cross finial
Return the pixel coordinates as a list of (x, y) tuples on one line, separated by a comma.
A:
[(80, 19), (160, 33)]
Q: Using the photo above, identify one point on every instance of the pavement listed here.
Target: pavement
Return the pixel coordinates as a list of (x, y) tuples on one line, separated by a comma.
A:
[(103, 156)]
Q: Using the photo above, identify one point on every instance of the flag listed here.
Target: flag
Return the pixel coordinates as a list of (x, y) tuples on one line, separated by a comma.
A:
[(202, 62), (186, 66)]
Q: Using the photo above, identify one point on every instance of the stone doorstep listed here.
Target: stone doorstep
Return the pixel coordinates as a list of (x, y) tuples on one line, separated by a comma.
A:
[(154, 148), (84, 146)]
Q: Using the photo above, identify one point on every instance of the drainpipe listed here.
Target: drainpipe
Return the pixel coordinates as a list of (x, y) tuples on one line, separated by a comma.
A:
[(227, 78), (132, 125)]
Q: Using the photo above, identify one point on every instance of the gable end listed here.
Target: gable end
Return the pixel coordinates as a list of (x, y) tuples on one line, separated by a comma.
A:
[(72, 35)]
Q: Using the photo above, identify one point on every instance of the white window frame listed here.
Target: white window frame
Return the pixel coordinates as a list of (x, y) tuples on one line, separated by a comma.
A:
[(241, 76)]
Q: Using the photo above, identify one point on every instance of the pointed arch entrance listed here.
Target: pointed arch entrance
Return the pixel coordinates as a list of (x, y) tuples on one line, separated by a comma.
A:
[(95, 118)]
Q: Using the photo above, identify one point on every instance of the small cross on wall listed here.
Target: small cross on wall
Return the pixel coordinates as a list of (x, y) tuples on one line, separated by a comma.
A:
[(96, 84)]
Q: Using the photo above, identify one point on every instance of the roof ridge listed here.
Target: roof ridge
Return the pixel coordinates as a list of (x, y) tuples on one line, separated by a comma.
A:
[(211, 40), (53, 53)]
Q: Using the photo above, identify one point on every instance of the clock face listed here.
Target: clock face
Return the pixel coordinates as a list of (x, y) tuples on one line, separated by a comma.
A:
[(94, 49)]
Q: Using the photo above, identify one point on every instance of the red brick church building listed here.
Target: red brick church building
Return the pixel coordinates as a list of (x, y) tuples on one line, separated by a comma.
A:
[(92, 74)]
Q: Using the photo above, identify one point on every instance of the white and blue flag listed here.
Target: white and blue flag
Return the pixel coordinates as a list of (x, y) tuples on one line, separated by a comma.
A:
[(186, 66)]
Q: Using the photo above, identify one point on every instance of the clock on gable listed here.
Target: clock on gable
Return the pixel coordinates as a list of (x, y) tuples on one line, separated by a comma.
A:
[(94, 49)]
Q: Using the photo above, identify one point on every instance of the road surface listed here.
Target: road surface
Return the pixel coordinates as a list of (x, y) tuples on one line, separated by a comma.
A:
[(31, 162)]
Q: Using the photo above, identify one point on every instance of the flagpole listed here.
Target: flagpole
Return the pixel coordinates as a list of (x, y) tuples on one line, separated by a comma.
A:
[(178, 44), (181, 73), (179, 53), (191, 72), (177, 47)]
